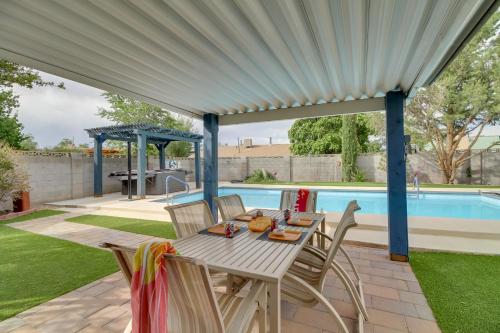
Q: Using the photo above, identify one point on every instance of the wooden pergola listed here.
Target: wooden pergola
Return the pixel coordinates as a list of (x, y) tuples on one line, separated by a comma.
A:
[(143, 134)]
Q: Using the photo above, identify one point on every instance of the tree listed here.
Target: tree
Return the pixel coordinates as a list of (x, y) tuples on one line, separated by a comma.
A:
[(65, 145), (323, 135), (376, 123), (28, 143), (464, 100), (12, 74), (349, 148), (124, 110), (13, 179)]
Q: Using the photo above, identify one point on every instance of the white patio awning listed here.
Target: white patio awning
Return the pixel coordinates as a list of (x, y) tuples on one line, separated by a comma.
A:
[(227, 57)]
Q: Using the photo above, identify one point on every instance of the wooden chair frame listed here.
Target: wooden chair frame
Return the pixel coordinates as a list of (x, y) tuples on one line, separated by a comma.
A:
[(312, 280), (242, 316), (178, 230), (223, 209)]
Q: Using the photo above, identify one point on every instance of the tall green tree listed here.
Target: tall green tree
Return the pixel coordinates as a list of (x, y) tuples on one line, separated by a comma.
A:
[(12, 74), (464, 100), (323, 135), (124, 110), (349, 147)]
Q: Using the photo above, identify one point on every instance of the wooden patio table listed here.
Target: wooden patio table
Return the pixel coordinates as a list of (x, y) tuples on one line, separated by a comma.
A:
[(246, 256)]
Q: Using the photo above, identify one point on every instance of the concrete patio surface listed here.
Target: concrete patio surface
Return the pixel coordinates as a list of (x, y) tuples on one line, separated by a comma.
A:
[(393, 296)]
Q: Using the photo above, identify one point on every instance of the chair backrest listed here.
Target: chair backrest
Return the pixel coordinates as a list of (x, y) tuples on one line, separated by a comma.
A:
[(347, 221), (192, 305), (289, 198), (230, 206), (124, 257), (191, 217)]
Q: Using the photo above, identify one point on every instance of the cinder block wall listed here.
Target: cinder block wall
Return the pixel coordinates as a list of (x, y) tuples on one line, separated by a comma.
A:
[(491, 167), (323, 168), (62, 176), (279, 166)]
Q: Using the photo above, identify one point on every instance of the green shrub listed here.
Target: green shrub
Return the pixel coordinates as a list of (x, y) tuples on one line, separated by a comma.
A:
[(261, 176), (359, 176)]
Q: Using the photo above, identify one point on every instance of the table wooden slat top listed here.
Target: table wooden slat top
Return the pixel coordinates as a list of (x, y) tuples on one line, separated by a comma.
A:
[(245, 255)]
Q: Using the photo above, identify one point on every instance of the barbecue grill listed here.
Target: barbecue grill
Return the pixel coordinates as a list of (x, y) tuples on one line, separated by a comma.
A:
[(155, 180)]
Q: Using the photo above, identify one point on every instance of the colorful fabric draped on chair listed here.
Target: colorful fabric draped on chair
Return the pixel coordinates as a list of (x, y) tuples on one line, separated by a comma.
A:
[(301, 203), (149, 288)]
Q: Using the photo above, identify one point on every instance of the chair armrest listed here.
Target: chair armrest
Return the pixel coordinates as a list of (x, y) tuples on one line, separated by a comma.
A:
[(315, 251), (322, 234)]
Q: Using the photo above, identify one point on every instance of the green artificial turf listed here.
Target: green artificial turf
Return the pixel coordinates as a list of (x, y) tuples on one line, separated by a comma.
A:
[(36, 268), (371, 184), (35, 215), (463, 290), (138, 226)]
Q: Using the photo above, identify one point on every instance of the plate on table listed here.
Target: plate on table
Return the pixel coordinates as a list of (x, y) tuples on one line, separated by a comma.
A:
[(300, 222), (244, 217), (288, 236), (219, 229)]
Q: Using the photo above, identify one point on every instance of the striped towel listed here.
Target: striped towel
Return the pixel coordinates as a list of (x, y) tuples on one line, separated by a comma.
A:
[(149, 290)]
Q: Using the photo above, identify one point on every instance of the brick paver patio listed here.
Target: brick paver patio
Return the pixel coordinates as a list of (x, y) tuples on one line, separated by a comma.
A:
[(393, 296)]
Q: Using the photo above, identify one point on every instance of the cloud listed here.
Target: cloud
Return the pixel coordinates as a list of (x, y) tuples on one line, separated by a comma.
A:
[(50, 113), (259, 132)]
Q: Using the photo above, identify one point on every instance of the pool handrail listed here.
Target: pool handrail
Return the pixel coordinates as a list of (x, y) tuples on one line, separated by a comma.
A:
[(186, 186)]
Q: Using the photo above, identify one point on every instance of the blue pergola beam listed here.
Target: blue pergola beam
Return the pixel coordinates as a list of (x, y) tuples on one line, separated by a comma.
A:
[(161, 153), (197, 165), (98, 140), (169, 137), (211, 177), (396, 176), (141, 165)]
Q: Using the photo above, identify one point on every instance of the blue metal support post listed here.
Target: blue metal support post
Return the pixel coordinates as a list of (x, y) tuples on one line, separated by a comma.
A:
[(197, 166), (98, 140), (141, 164), (161, 156), (210, 143), (396, 176)]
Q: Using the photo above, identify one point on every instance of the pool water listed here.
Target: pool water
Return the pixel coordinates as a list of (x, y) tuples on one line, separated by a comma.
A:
[(460, 205)]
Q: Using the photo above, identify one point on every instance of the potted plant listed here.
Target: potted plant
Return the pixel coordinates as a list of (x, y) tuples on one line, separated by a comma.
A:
[(14, 183)]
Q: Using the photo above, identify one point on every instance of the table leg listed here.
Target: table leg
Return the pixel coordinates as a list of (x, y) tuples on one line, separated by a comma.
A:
[(274, 306)]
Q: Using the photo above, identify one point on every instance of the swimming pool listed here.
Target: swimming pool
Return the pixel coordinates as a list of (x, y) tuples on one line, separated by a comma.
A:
[(460, 205)]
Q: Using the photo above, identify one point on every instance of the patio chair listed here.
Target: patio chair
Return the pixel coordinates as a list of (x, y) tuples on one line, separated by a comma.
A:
[(289, 198), (230, 206), (191, 217), (193, 305), (304, 282), (316, 257), (188, 219)]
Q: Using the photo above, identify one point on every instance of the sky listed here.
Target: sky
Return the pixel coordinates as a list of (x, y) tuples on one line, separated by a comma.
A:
[(51, 114)]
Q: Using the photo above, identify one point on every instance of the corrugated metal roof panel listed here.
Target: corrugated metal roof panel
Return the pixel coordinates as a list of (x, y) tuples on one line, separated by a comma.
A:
[(225, 56)]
